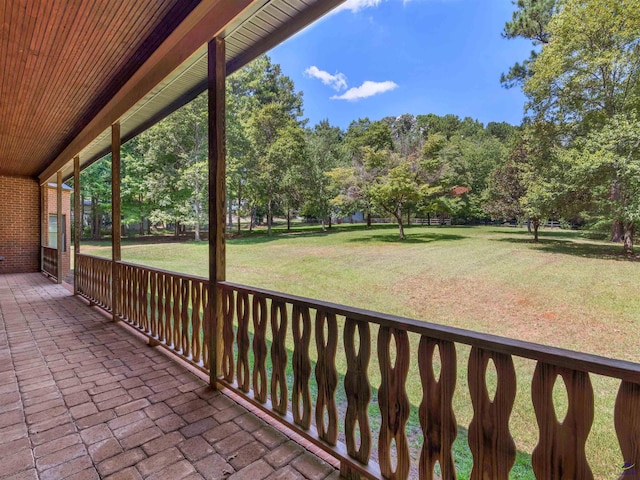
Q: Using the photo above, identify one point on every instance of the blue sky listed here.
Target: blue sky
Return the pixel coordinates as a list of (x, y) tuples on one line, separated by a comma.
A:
[(420, 56)]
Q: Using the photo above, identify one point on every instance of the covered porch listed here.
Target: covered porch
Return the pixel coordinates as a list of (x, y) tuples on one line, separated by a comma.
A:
[(84, 397), (139, 374)]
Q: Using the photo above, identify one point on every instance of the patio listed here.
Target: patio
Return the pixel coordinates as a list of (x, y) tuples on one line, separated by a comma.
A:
[(84, 397)]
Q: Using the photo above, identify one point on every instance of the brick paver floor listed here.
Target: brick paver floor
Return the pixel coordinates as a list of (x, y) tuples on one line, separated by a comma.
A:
[(82, 398)]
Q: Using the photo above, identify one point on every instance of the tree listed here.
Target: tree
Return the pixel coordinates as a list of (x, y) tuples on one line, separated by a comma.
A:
[(136, 204), (325, 152), (95, 184), (278, 142), (605, 169), (587, 78), (176, 150), (530, 21), (361, 135), (260, 102)]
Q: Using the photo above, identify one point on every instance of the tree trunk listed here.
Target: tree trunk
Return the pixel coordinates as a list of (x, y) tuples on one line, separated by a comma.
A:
[(428, 219), (176, 232), (324, 229), (288, 219), (629, 230), (368, 219), (398, 216), (617, 231), (536, 226), (94, 219), (330, 223), (529, 225), (253, 216), (239, 203), (269, 217), (197, 235)]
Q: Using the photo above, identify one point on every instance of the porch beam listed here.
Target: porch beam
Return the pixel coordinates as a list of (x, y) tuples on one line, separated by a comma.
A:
[(217, 199), (77, 220), (59, 227), (207, 20), (115, 218)]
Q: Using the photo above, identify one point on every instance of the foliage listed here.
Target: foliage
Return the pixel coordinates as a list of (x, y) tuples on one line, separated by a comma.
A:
[(585, 83), (530, 21), (95, 185), (325, 153)]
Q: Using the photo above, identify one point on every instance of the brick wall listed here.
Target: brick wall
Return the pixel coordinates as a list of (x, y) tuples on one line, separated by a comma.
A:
[(19, 224), (51, 207)]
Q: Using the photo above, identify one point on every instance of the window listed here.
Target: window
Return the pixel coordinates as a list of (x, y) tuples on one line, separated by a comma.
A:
[(53, 232)]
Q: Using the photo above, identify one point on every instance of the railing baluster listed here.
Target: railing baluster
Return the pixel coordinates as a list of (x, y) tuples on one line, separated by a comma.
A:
[(358, 389), (184, 317), (560, 451), (260, 320), (394, 403), (144, 300), (627, 422), (438, 422), (279, 395), (176, 316), (492, 447), (301, 396), (196, 319), (326, 377), (207, 325), (228, 302), (168, 319), (242, 314), (153, 315)]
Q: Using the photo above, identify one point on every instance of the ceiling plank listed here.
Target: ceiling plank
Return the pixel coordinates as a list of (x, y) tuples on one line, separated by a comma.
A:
[(206, 21)]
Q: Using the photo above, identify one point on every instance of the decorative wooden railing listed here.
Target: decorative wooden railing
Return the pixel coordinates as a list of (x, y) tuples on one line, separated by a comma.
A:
[(50, 261), (280, 353), (171, 308), (290, 320), (93, 279)]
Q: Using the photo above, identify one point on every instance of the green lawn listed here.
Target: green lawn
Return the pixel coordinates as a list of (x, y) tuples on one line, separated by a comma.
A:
[(565, 291)]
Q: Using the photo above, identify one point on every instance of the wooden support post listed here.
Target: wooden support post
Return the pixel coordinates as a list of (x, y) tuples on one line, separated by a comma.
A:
[(217, 199), (115, 218), (44, 224), (77, 221), (60, 226)]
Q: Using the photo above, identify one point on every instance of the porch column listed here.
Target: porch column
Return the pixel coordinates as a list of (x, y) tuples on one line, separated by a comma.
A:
[(115, 218), (59, 227), (77, 220), (217, 199), (44, 223)]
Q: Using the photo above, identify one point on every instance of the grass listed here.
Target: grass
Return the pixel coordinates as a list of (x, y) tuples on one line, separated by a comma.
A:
[(566, 291)]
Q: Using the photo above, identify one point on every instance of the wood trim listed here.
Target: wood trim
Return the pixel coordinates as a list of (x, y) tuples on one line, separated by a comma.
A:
[(206, 21), (77, 220), (60, 226), (217, 197), (312, 13), (115, 215)]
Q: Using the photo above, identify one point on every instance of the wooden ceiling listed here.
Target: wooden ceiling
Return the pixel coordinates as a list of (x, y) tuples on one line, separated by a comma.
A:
[(62, 61)]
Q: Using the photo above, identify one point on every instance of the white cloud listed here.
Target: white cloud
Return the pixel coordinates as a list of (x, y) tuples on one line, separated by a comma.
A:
[(338, 81), (357, 5), (367, 89)]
